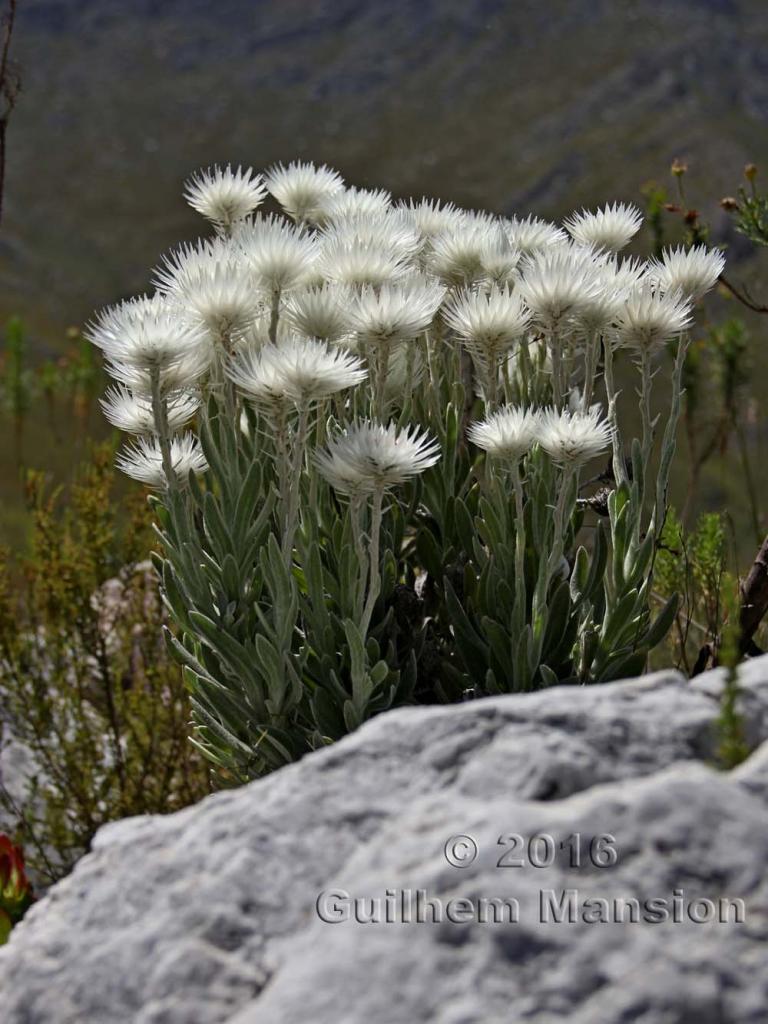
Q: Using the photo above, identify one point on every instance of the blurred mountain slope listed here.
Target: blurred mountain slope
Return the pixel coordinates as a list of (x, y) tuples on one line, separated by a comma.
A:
[(510, 105)]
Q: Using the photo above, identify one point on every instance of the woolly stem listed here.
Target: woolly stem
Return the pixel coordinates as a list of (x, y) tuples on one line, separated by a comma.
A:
[(355, 512), (280, 432), (645, 411), (558, 538), (374, 585), (670, 432), (619, 469), (520, 543), (590, 369), (558, 383), (410, 357), (294, 482), (274, 315), (160, 415), (380, 382), (524, 369), (492, 394)]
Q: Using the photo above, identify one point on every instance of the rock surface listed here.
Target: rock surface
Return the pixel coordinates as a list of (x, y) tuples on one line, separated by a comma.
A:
[(212, 914)]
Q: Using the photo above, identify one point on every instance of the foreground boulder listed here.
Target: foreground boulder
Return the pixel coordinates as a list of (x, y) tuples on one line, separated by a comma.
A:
[(636, 890)]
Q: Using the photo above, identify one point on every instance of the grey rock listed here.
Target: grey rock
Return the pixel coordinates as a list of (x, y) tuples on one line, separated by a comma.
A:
[(17, 768), (211, 915)]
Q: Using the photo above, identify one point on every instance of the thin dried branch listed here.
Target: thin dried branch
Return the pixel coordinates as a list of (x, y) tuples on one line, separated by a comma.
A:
[(742, 296), (754, 598), (10, 85)]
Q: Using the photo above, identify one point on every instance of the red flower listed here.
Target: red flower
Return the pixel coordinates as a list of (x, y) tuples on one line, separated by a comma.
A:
[(15, 888)]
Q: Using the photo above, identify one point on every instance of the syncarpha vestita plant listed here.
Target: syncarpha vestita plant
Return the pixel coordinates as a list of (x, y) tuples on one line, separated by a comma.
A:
[(368, 425)]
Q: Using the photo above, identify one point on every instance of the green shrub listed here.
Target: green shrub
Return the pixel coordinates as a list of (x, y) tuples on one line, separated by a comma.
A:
[(88, 687)]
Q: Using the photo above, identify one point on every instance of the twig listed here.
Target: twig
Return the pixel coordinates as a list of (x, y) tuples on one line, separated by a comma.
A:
[(742, 296), (754, 598), (9, 90)]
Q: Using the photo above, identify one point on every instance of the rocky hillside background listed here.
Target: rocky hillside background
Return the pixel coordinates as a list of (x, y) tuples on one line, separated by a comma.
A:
[(509, 105)]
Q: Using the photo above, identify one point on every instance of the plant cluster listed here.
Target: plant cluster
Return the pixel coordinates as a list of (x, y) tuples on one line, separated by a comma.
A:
[(750, 208), (368, 424), (86, 684), (693, 564)]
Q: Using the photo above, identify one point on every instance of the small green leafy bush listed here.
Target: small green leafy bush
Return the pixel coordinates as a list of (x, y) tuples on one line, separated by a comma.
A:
[(86, 684)]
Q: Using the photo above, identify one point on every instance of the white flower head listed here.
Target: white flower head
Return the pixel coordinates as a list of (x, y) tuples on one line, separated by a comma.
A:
[(357, 263), (183, 374), (279, 255), (390, 230), (368, 457), (611, 228), (491, 320), (600, 308), (301, 188), (690, 271), (572, 438), (457, 256), (183, 266), (430, 217), (224, 301), (354, 202), (143, 461), (500, 264), (623, 276), (111, 322), (395, 312), (506, 434), (299, 369), (225, 196), (532, 234), (649, 318), (558, 282), (210, 285), (133, 413), (150, 337), (320, 311)]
